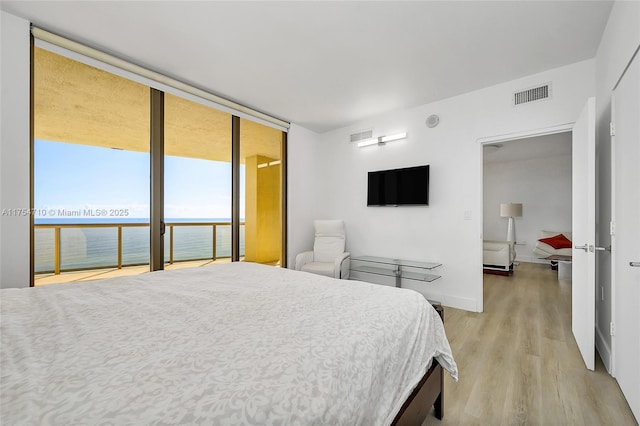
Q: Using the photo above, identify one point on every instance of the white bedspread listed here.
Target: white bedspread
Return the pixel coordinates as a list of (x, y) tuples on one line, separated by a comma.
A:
[(236, 343)]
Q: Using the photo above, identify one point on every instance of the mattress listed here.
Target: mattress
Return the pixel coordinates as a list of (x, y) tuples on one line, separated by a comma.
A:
[(237, 343)]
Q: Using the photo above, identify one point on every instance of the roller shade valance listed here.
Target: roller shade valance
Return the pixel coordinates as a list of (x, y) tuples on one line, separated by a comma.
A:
[(162, 80)]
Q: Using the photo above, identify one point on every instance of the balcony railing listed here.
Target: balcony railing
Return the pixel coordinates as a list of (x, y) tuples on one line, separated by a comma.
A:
[(78, 247)]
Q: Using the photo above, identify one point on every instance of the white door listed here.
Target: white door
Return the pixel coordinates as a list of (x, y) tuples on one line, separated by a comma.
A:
[(583, 298), (626, 238)]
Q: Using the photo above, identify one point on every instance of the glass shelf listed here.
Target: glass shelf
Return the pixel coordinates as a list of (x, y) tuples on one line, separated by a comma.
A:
[(399, 262), (396, 268)]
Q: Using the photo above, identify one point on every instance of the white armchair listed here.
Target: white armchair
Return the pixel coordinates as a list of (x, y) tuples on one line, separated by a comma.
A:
[(498, 257), (328, 256)]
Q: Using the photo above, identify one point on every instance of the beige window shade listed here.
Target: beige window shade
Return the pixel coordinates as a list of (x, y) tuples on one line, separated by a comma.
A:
[(152, 78)]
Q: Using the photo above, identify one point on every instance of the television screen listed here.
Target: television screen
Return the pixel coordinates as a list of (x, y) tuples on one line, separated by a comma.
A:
[(398, 187)]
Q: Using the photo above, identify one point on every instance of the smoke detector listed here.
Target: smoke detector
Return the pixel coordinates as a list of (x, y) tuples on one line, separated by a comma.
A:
[(432, 121)]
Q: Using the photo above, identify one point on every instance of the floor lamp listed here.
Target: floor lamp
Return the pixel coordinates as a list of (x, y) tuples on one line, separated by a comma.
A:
[(511, 210)]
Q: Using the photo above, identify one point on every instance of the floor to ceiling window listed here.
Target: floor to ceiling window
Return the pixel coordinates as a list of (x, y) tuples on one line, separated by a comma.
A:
[(261, 191), (93, 153), (91, 167), (197, 181)]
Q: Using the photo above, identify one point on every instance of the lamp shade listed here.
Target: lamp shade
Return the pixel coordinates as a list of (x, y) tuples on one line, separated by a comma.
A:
[(511, 209)]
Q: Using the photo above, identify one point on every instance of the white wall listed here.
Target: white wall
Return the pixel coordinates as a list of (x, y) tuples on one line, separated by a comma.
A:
[(301, 188), (620, 40), (542, 185), (439, 232), (14, 151)]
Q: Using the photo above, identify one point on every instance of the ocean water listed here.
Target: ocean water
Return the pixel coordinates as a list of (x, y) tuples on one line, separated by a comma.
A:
[(98, 247)]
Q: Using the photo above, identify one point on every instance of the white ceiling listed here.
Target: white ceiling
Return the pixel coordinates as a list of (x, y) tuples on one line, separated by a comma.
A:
[(528, 148), (324, 65)]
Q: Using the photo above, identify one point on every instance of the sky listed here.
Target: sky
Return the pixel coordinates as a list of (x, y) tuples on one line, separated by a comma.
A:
[(111, 183)]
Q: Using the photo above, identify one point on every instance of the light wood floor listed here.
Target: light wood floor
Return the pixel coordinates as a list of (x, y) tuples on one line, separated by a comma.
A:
[(519, 363)]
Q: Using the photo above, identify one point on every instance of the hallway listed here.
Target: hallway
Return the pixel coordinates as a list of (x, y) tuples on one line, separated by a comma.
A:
[(519, 363)]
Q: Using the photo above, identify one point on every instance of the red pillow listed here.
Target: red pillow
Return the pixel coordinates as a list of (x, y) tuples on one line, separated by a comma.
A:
[(557, 241)]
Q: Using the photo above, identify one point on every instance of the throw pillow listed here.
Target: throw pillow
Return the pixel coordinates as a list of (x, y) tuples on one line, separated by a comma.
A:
[(557, 241)]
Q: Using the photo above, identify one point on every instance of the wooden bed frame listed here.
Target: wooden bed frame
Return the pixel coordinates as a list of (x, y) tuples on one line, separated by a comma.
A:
[(429, 392)]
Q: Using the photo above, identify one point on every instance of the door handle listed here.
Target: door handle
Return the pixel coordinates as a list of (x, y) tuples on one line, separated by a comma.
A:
[(635, 264), (584, 247)]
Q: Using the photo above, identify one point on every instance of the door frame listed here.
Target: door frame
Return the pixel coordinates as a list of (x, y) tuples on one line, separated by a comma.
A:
[(508, 137)]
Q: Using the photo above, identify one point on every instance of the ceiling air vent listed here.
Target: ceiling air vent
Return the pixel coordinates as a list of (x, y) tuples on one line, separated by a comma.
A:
[(531, 95), (361, 136)]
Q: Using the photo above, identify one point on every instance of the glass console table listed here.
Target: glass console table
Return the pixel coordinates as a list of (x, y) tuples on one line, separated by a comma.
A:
[(398, 268)]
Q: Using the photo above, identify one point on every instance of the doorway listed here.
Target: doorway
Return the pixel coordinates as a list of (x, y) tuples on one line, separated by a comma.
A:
[(536, 173), (583, 194)]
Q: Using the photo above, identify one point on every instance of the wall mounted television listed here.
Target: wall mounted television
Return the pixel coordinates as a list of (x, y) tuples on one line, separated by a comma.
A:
[(399, 187)]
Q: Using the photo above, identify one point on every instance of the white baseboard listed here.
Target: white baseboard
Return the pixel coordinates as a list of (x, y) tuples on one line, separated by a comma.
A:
[(603, 349), (464, 303), (467, 304)]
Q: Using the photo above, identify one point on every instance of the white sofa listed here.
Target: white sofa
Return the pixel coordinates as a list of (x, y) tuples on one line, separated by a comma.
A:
[(498, 257), (544, 250)]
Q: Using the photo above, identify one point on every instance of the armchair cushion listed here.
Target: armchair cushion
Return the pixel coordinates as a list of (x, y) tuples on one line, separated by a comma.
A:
[(320, 268)]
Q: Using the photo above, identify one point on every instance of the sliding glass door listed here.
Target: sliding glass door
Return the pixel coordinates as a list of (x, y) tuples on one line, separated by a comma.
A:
[(261, 192), (197, 182), (91, 168)]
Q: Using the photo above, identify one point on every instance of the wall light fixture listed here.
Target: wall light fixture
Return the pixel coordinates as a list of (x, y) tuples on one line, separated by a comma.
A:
[(381, 140)]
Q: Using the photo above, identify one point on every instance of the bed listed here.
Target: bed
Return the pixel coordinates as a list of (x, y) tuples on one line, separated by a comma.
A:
[(237, 343)]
